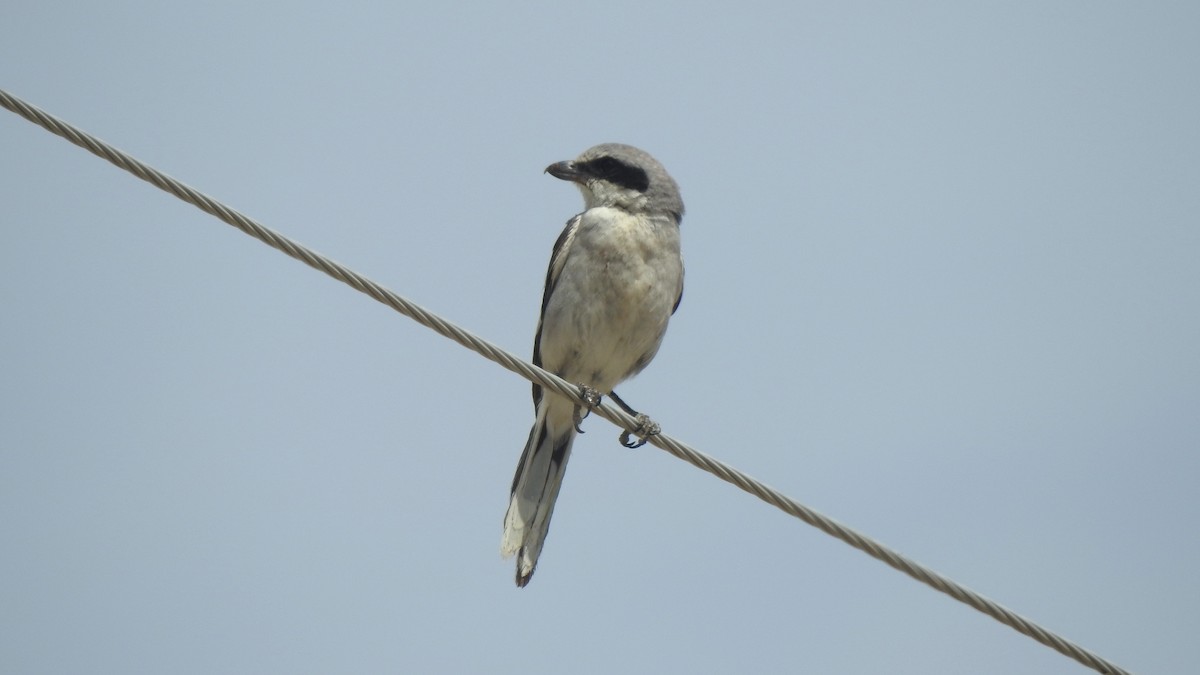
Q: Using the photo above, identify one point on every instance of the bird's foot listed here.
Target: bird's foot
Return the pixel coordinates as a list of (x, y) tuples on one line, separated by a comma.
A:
[(592, 397), (646, 428)]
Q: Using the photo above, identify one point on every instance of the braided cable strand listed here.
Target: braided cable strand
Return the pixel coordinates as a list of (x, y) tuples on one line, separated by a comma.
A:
[(557, 384)]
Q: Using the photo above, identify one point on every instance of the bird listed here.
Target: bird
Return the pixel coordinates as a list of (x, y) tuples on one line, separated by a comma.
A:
[(615, 279)]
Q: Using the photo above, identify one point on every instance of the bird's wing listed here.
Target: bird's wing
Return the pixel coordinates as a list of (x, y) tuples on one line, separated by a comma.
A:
[(678, 298), (558, 258)]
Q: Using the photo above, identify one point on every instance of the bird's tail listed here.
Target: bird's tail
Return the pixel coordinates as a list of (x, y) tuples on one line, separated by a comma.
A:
[(535, 486)]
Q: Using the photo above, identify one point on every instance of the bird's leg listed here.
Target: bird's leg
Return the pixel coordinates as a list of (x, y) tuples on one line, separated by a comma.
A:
[(592, 397), (646, 427)]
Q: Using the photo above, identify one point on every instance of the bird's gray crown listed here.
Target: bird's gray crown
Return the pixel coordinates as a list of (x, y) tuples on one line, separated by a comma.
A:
[(614, 174)]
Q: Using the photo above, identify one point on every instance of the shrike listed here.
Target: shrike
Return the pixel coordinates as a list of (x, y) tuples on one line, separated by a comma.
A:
[(615, 279)]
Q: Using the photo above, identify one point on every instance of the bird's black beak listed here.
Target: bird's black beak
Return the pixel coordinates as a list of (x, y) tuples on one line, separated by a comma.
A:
[(565, 171)]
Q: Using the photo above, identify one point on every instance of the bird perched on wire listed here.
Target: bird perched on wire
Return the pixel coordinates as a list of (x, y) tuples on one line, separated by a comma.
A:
[(615, 279)]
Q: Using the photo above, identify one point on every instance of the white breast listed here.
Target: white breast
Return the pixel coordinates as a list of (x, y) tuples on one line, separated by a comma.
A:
[(609, 309)]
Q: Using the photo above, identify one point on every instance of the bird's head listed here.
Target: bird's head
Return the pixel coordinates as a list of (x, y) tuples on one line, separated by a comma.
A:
[(622, 176)]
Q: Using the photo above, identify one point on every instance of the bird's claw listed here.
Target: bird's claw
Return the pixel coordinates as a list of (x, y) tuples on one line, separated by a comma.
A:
[(592, 397), (646, 428)]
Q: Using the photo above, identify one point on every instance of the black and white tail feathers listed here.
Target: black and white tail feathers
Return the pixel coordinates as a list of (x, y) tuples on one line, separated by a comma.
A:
[(536, 484)]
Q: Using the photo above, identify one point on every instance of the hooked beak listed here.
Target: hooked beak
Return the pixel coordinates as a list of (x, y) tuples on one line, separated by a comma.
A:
[(566, 171)]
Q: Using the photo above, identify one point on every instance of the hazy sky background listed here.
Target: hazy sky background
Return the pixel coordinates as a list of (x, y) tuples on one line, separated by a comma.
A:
[(943, 285)]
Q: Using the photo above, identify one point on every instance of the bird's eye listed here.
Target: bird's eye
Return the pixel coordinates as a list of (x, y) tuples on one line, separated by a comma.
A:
[(607, 166), (615, 171)]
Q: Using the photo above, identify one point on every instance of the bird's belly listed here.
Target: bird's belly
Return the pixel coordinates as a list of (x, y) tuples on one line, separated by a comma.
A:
[(605, 324)]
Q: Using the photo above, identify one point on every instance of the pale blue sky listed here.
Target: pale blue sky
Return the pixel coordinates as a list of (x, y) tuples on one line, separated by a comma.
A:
[(942, 285)]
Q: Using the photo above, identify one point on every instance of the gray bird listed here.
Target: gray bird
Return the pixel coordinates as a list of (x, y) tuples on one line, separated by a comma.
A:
[(615, 279)]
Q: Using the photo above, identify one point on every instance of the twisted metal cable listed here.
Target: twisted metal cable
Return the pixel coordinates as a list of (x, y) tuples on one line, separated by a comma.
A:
[(559, 385)]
